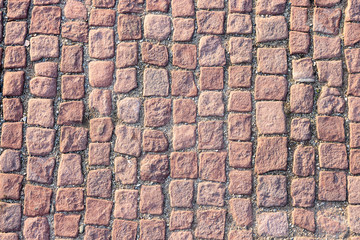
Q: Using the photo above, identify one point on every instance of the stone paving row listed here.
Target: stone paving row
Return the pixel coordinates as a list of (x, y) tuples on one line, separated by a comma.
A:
[(180, 119)]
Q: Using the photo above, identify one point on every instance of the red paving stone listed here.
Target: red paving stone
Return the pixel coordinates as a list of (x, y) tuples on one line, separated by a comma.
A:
[(180, 119)]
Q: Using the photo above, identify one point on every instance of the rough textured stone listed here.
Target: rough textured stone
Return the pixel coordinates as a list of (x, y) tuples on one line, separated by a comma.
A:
[(157, 112), (13, 83), (10, 217), (101, 43), (15, 33), (212, 166), (240, 154), (299, 19), (299, 42), (102, 17), (353, 189), (181, 220), (301, 98), (66, 225), (73, 139), (304, 218), (239, 126), (45, 20), (39, 141), (183, 84), (154, 141), (211, 52), (17, 9), (98, 211), (333, 155), (72, 87), (241, 6), (156, 54), (271, 29), (157, 27), (128, 140), (272, 60), (240, 50), (125, 170), (69, 199), (99, 183), (37, 200), (211, 224), (123, 228), (101, 73), (184, 55), (331, 221), (270, 87), (71, 112), (330, 128), (181, 193), (126, 80), (332, 186), (271, 191), (128, 110), (75, 10), (69, 172), (152, 229), (129, 27), (303, 192), (271, 154), (184, 111), (270, 118), (303, 70), (239, 24), (183, 165), (126, 54), (75, 31), (183, 8), (241, 211), (101, 129), (10, 186), (240, 182), (354, 161), (12, 109), (184, 136), (154, 168), (330, 101), (15, 57), (210, 22), (40, 169), (151, 199), (36, 228), (183, 29), (327, 20), (239, 76), (326, 47), (126, 203), (100, 100), (210, 135), (10, 160), (156, 82), (211, 104), (210, 193), (273, 224), (300, 129), (331, 72), (71, 59)]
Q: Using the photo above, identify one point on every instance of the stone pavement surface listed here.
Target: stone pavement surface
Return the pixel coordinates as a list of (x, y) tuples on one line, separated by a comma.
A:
[(180, 119)]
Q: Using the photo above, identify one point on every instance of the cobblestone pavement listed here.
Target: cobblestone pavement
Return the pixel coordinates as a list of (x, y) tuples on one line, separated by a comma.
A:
[(181, 119)]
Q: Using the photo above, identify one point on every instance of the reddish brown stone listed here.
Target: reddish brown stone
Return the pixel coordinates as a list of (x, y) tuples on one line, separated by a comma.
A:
[(46, 69), (37, 200), (154, 54), (330, 72), (181, 193), (184, 55), (126, 54), (128, 140), (241, 211), (17, 9), (13, 83), (181, 235), (125, 80), (273, 224), (351, 33), (240, 154), (183, 29), (326, 3), (66, 225), (212, 166), (157, 27), (184, 136), (129, 6), (300, 129), (152, 229), (239, 24), (239, 126), (326, 47), (211, 78), (75, 31), (210, 135), (41, 112), (102, 17), (151, 199), (98, 211), (332, 186), (10, 186), (92, 233), (10, 217), (184, 111), (72, 87), (40, 141), (126, 203), (157, 112), (270, 88), (156, 82), (304, 218), (101, 129), (15, 57), (129, 27), (101, 73), (353, 218), (211, 52), (101, 43), (15, 33), (301, 98), (204, 4), (182, 8), (99, 183), (303, 70), (45, 20), (352, 60), (69, 199), (105, 3), (71, 59), (239, 76), (333, 155), (156, 5), (40, 169), (154, 168), (240, 101), (209, 193), (99, 153), (331, 221), (354, 161), (327, 20), (330, 101), (11, 135), (121, 229), (270, 118), (354, 135), (240, 234), (271, 29), (299, 42), (12, 109), (154, 141), (241, 6), (211, 104), (10, 160), (69, 172), (181, 220), (100, 100), (272, 60), (73, 139), (354, 104), (240, 182), (240, 50), (46, 2), (70, 113), (36, 228), (75, 10), (183, 84), (353, 189), (210, 22), (299, 19), (125, 170), (273, 7), (183, 165), (303, 192), (271, 191), (330, 128), (210, 224)]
